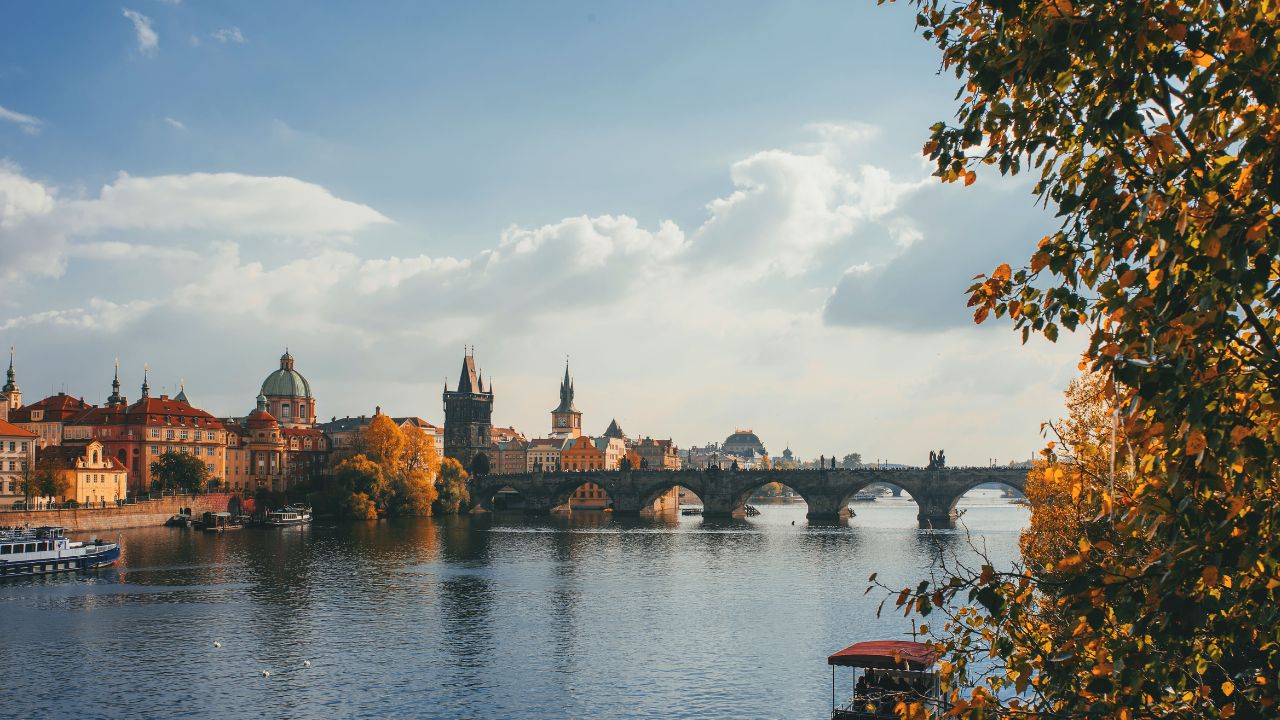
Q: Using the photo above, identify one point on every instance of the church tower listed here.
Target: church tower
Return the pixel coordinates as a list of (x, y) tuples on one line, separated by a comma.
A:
[(10, 394), (566, 420), (468, 419)]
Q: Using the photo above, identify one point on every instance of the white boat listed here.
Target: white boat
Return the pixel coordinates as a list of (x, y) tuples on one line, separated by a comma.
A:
[(44, 550), (291, 515)]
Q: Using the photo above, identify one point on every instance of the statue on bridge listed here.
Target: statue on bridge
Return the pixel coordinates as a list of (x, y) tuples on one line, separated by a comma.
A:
[(937, 460)]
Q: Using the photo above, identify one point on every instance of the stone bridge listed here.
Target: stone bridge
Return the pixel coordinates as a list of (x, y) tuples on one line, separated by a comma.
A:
[(724, 493)]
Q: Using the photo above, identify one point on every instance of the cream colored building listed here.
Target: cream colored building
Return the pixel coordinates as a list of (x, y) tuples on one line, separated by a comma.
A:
[(92, 477), (17, 458)]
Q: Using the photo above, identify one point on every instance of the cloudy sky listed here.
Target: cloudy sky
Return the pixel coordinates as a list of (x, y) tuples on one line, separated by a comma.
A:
[(718, 210)]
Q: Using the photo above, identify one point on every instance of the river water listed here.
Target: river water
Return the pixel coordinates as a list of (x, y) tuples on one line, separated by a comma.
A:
[(582, 616)]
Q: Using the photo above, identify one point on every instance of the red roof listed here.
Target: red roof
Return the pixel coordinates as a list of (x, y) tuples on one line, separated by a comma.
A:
[(8, 429), (57, 408), (887, 654)]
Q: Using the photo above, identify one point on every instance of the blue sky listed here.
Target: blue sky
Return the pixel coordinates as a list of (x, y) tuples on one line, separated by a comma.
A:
[(718, 209)]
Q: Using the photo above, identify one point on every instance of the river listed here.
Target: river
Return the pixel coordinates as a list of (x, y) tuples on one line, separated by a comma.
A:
[(582, 616)]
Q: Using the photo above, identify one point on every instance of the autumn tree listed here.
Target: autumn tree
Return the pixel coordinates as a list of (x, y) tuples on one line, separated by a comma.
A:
[(453, 494), (384, 443), (420, 451), (1153, 129), (359, 475)]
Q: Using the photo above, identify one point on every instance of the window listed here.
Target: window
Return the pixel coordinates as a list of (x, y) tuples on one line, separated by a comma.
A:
[(24, 446), (182, 435), (13, 447), (209, 466), (12, 466), (168, 434), (155, 433)]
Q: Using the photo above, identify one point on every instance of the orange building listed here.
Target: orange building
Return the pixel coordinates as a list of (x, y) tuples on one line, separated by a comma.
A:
[(581, 454), (47, 418), (17, 456), (137, 435)]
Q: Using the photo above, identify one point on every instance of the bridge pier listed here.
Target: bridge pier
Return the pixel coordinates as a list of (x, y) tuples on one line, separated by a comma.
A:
[(936, 512), (827, 507)]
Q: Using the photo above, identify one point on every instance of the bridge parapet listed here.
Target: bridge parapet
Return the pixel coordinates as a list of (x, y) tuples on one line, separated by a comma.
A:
[(724, 492)]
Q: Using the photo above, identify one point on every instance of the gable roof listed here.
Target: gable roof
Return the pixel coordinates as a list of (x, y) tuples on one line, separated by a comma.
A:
[(8, 429)]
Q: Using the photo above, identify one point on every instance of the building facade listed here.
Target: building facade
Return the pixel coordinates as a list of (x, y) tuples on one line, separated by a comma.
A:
[(288, 396), (566, 420), (468, 420), (90, 476), (17, 459)]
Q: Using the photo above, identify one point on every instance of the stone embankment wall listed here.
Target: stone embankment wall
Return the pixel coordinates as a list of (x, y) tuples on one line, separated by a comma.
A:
[(142, 514)]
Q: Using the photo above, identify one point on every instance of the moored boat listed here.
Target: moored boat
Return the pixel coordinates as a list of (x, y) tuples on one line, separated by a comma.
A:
[(44, 550), (218, 522), (885, 673), (289, 516)]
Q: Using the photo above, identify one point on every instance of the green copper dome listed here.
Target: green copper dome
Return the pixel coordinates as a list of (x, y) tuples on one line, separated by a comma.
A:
[(286, 381)]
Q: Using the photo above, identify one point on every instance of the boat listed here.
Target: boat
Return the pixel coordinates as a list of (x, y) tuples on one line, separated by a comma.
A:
[(179, 520), (886, 672), (45, 550), (691, 510), (218, 522), (288, 517), (864, 496)]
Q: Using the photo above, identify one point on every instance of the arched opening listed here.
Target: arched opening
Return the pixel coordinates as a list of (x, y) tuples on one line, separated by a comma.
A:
[(773, 502), (479, 465), (670, 499), (587, 496), (877, 505), (992, 500), (504, 499)]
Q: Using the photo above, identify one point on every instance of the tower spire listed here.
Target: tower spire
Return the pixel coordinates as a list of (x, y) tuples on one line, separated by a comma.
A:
[(11, 377), (146, 389)]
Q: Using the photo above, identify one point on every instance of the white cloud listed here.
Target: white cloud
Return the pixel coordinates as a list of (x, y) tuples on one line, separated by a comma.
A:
[(229, 35), (29, 124), (28, 242), (148, 40), (174, 123), (226, 203), (778, 310)]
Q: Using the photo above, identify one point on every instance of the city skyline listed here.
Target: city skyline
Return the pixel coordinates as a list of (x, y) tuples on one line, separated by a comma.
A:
[(734, 241)]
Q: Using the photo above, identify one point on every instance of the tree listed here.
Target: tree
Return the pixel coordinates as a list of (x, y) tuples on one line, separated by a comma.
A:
[(179, 471), (29, 482), (1153, 128), (51, 482), (420, 451), (359, 475), (453, 496), (851, 461), (412, 494), (384, 443)]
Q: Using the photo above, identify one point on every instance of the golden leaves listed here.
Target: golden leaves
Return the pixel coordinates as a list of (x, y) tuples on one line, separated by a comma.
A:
[(969, 177), (1196, 442), (1209, 576), (1003, 272), (1242, 42)]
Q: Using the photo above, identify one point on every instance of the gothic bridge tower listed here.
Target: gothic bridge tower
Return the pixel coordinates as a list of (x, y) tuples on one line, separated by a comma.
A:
[(468, 419)]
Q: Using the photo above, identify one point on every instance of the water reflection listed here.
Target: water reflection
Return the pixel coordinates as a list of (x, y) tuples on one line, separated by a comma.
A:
[(582, 615)]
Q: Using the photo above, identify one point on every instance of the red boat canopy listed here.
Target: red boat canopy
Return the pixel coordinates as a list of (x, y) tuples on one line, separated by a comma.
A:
[(887, 654)]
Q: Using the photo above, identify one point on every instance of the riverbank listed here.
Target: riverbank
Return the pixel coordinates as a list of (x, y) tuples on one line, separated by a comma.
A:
[(144, 513)]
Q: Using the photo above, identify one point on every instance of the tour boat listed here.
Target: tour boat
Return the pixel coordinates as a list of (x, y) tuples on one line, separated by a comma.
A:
[(864, 496), (43, 550), (885, 672), (291, 515), (218, 522)]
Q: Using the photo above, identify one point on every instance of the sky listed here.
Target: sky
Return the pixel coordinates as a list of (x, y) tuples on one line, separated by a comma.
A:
[(717, 211)]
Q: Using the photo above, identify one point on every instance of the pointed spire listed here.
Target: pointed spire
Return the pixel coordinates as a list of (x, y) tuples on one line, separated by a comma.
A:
[(182, 392), (11, 377), (115, 398), (146, 389)]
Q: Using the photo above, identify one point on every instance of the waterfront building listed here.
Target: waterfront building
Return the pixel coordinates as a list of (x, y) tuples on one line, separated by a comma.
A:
[(138, 434), (510, 451), (612, 451), (657, 454), (90, 475), (744, 443), (49, 417), (468, 419), (17, 458), (543, 454), (581, 454)]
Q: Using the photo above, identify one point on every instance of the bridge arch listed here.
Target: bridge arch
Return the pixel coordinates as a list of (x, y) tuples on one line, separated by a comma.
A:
[(650, 492), (1015, 483)]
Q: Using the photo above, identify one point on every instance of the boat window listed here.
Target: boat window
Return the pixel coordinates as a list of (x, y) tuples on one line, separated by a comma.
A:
[(31, 547), (6, 549)]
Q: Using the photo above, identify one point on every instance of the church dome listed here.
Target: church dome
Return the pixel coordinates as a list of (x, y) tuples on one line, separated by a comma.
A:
[(286, 381), (744, 442)]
